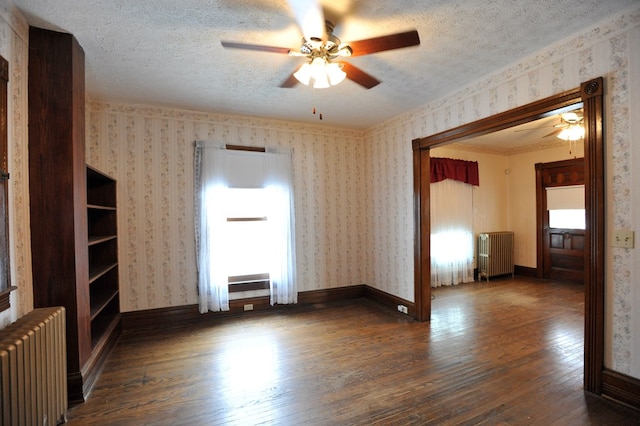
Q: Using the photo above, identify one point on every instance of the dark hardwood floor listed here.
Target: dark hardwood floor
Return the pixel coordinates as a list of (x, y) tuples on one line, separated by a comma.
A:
[(507, 352)]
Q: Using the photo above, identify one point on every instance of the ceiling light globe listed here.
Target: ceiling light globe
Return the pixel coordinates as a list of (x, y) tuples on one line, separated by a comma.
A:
[(303, 75), (335, 73), (322, 82), (319, 73), (572, 133)]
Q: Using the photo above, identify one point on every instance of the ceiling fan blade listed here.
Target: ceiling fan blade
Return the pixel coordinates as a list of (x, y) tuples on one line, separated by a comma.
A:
[(554, 133), (290, 82), (335, 11), (531, 129), (258, 47), (356, 74), (310, 19), (388, 42)]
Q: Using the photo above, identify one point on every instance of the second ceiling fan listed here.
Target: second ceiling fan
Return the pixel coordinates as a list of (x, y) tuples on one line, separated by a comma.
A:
[(323, 50)]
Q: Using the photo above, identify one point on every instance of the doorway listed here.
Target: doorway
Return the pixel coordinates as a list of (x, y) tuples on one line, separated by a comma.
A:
[(590, 93), (560, 220)]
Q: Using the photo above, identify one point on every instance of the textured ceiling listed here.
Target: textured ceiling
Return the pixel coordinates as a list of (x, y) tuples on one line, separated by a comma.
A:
[(167, 52)]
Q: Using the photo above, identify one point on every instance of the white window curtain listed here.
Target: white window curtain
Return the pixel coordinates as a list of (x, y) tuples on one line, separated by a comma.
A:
[(210, 186), (451, 232), (279, 184), (216, 169)]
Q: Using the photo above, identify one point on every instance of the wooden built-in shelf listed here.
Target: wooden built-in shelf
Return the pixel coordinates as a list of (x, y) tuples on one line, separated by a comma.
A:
[(102, 245), (97, 239), (100, 327), (98, 207), (97, 271), (100, 300)]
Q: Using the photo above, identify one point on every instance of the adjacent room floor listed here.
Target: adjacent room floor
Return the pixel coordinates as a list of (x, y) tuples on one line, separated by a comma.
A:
[(506, 352)]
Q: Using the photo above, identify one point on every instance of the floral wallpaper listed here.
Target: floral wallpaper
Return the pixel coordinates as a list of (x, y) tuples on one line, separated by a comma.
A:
[(612, 50), (14, 35), (149, 151)]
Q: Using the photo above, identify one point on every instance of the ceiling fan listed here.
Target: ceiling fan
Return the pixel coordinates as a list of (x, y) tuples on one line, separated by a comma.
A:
[(570, 127), (323, 50)]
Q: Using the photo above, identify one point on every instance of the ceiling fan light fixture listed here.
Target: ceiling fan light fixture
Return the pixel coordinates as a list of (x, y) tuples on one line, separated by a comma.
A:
[(344, 50), (321, 72), (572, 133), (571, 117), (303, 75), (321, 83), (335, 73)]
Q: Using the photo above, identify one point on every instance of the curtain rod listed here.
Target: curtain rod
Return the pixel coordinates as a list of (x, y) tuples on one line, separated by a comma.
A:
[(245, 148)]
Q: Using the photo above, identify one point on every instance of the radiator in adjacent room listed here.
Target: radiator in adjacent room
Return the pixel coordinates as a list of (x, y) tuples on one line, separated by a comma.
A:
[(33, 369), (495, 254)]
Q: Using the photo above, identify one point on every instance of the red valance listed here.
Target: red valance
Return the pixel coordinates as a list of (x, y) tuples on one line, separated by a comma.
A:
[(449, 168)]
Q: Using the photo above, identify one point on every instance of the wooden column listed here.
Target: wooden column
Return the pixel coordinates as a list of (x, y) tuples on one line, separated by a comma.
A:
[(57, 187)]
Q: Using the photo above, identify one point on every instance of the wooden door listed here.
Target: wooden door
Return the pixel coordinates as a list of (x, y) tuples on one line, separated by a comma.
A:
[(562, 252)]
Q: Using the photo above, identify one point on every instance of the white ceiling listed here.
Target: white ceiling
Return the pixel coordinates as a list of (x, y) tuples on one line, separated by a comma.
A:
[(168, 52), (538, 135)]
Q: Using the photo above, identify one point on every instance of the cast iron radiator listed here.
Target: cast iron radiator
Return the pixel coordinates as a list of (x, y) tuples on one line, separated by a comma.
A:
[(33, 369), (495, 254)]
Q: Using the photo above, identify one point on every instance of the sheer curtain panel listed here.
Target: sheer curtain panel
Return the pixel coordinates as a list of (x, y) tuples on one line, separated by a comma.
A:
[(279, 184), (210, 185), (451, 233)]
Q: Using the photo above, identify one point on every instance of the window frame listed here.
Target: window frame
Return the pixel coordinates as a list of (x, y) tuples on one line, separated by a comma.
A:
[(249, 282), (5, 270)]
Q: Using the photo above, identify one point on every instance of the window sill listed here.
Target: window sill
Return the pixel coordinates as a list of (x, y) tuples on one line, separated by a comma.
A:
[(248, 283)]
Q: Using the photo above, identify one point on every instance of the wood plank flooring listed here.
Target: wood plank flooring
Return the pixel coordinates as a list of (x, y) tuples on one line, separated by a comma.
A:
[(507, 352)]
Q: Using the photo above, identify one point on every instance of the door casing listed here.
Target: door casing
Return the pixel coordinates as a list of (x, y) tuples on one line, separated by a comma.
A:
[(590, 94), (548, 175)]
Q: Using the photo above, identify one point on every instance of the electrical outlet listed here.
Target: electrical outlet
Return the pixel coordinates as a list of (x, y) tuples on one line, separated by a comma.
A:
[(248, 307), (622, 238), (403, 309)]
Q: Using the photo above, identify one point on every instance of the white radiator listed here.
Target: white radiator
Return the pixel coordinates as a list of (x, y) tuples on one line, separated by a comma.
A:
[(495, 254), (33, 369)]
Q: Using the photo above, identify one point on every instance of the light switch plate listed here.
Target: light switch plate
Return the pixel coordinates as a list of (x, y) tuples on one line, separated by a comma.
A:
[(622, 238)]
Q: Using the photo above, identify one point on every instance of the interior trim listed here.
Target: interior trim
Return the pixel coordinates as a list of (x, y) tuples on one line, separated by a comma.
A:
[(591, 94), (622, 388), (189, 314)]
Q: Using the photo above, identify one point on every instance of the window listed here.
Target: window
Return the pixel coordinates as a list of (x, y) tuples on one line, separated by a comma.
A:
[(247, 233), (566, 207), (244, 223), (567, 218), (5, 278), (452, 182), (451, 233)]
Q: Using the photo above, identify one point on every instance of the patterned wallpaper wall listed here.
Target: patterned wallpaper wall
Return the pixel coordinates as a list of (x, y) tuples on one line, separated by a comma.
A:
[(14, 35), (612, 50), (149, 151)]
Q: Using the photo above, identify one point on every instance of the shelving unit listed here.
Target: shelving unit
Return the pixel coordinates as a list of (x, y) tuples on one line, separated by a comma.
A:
[(102, 231), (74, 242)]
